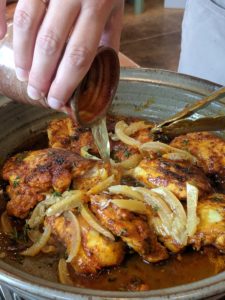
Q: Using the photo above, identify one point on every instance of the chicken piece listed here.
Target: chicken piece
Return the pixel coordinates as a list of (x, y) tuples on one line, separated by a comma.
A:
[(211, 226), (133, 229), (98, 173), (162, 172), (64, 133), (32, 174), (96, 251), (120, 151), (209, 150)]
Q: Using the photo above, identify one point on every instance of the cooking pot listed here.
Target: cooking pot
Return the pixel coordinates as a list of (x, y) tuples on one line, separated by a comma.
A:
[(148, 93)]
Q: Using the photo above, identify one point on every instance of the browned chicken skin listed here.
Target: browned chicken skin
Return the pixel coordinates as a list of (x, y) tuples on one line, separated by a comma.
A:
[(171, 174), (209, 149), (211, 227), (32, 174), (66, 134), (132, 228), (96, 251)]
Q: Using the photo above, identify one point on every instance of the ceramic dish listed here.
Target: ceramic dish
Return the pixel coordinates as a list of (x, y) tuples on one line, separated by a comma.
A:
[(148, 93)]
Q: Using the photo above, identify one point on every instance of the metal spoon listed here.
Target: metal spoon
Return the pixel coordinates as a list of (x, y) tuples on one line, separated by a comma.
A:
[(177, 125)]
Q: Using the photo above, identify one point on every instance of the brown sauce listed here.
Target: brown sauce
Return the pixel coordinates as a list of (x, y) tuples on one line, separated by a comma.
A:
[(134, 272)]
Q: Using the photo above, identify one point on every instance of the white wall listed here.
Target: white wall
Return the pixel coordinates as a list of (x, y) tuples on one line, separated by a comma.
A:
[(174, 3)]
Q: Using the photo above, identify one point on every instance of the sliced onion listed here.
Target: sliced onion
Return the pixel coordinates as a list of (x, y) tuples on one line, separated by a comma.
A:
[(69, 200), (84, 153), (76, 235), (36, 247), (173, 202), (178, 229), (38, 214), (6, 224), (192, 202), (93, 222), (34, 235), (101, 186), (180, 156), (159, 228), (131, 162), (113, 137), (131, 205), (136, 126), (64, 276), (162, 148), (125, 190), (120, 129), (159, 205), (48, 249)]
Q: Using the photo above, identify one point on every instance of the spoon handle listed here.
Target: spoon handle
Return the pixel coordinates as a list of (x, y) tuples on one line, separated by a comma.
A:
[(190, 109), (184, 126)]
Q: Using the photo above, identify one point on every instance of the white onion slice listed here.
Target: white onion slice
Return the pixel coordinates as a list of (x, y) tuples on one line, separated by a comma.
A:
[(120, 129), (93, 222), (69, 200), (64, 276), (162, 148), (101, 186), (125, 190), (131, 205), (136, 126), (38, 214), (131, 162), (173, 202), (36, 247), (180, 156), (158, 204), (84, 153), (192, 202), (34, 235), (74, 247)]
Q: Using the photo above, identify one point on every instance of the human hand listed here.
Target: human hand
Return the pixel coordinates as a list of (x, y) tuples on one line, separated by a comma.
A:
[(55, 47), (2, 19)]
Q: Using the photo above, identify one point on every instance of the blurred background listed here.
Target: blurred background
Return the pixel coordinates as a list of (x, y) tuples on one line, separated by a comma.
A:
[(152, 32)]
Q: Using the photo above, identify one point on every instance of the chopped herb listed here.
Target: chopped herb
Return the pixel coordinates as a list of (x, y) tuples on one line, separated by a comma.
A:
[(217, 198), (123, 232), (57, 194), (127, 153), (185, 142), (26, 229), (16, 182), (155, 208), (14, 234), (20, 157)]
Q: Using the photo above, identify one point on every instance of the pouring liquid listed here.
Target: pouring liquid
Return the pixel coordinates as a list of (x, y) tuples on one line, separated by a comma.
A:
[(101, 138)]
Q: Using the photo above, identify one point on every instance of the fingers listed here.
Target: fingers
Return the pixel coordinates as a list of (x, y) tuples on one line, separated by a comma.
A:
[(50, 44), (2, 19), (113, 28), (27, 20), (78, 55)]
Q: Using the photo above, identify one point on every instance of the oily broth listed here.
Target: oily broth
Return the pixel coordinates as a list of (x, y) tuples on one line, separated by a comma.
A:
[(179, 269)]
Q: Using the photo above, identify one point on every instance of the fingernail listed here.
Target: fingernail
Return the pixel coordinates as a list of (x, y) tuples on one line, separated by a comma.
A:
[(22, 74), (33, 93), (54, 103)]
